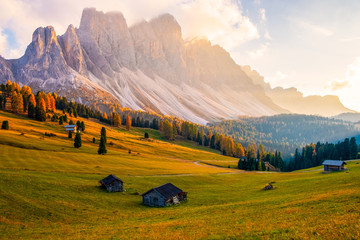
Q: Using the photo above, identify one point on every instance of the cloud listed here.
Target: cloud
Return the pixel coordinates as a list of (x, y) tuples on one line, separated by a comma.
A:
[(259, 52), (350, 39), (222, 21), (337, 85), (314, 28), (262, 14), (348, 87)]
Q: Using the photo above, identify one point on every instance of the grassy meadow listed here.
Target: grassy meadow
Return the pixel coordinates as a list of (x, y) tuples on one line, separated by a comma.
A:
[(50, 190)]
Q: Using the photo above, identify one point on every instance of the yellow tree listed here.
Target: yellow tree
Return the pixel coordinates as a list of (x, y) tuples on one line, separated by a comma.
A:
[(52, 104), (32, 99), (128, 122), (168, 130), (42, 104), (49, 96), (239, 151), (105, 116), (25, 90), (15, 101), (117, 120)]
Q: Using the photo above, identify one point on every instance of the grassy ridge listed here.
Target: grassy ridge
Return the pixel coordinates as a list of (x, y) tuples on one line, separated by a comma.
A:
[(49, 190)]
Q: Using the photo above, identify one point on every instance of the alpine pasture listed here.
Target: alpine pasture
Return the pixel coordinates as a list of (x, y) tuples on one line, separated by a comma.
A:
[(50, 190)]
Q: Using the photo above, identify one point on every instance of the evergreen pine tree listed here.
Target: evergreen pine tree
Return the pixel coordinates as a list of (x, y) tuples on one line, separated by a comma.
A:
[(31, 110), (93, 140), (77, 141), (103, 133), (61, 120), (146, 135), (82, 126), (102, 148), (70, 134), (353, 148)]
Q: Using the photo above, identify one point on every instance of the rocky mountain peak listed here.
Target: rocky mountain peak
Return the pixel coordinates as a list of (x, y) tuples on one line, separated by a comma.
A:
[(107, 40), (43, 39), (71, 49)]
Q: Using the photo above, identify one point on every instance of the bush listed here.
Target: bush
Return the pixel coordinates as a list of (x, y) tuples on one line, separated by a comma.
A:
[(50, 134), (93, 140), (5, 125), (146, 135)]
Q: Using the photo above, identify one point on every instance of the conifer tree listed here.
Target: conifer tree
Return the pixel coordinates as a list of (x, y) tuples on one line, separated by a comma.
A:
[(102, 148), (103, 133), (82, 126), (70, 134), (146, 135), (61, 120), (40, 113), (77, 141), (353, 148), (31, 110)]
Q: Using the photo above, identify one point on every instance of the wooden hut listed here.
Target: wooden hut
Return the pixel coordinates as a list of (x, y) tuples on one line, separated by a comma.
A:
[(70, 128), (112, 184), (333, 165), (164, 195)]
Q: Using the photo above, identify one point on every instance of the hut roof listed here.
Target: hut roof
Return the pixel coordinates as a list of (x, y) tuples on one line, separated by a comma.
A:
[(70, 126), (334, 162), (109, 179), (168, 190)]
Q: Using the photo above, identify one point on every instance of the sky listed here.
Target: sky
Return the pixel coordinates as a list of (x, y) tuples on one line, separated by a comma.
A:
[(311, 45)]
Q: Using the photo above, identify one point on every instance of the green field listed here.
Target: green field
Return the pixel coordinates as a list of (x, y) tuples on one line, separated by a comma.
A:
[(50, 190)]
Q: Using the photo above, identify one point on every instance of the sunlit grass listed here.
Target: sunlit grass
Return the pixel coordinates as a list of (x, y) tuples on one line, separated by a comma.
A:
[(49, 190)]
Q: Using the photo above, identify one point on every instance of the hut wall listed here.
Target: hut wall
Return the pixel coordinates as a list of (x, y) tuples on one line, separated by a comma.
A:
[(154, 199), (115, 186)]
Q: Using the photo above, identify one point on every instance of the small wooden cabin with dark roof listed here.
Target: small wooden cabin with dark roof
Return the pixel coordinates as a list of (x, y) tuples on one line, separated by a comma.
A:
[(333, 165), (112, 184), (164, 195), (70, 128)]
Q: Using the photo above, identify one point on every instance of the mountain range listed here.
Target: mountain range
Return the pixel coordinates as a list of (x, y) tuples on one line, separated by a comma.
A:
[(149, 66)]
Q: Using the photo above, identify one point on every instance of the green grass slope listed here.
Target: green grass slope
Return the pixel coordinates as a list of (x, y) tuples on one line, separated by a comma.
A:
[(49, 190)]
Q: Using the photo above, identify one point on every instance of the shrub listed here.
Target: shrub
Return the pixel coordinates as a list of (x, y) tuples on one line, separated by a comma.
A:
[(5, 125), (146, 135)]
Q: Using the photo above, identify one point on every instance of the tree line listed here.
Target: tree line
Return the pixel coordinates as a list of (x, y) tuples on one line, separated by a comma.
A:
[(313, 155), (285, 132)]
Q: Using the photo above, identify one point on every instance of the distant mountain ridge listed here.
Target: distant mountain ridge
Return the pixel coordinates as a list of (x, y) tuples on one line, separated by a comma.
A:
[(294, 101), (106, 64)]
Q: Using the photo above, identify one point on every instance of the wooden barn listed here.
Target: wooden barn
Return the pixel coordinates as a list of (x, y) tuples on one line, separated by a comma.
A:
[(333, 165), (164, 195), (112, 184), (70, 128)]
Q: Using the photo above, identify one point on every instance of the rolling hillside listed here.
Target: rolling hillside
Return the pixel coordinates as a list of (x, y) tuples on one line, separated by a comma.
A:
[(49, 190), (286, 132)]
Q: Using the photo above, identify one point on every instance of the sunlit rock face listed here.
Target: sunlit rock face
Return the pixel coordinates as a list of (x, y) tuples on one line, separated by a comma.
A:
[(147, 66)]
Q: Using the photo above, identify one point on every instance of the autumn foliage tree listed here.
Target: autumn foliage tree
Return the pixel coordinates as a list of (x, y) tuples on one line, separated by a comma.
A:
[(117, 120), (128, 123)]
